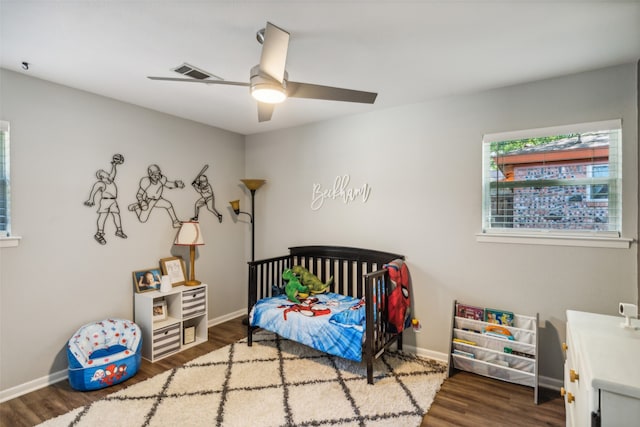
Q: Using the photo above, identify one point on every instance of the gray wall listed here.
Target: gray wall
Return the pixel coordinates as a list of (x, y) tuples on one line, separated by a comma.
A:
[(423, 163), (59, 277)]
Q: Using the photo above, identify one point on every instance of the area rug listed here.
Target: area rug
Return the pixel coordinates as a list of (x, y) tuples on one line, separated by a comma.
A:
[(276, 383)]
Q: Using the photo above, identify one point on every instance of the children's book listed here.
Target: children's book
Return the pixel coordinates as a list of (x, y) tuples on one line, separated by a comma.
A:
[(498, 317), (464, 353), (469, 312)]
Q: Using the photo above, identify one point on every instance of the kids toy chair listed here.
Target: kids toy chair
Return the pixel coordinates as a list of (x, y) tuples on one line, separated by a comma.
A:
[(104, 353)]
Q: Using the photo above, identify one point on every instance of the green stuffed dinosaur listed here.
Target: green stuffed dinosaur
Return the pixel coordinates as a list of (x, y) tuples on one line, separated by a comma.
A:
[(311, 281), (293, 287)]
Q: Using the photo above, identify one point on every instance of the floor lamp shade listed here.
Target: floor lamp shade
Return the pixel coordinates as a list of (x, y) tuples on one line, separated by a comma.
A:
[(190, 235)]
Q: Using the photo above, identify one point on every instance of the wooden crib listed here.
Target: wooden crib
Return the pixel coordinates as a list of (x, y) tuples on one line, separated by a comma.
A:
[(356, 272)]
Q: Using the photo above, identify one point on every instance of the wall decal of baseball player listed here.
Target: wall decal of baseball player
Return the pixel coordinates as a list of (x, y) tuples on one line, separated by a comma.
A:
[(202, 186), (108, 204), (149, 195)]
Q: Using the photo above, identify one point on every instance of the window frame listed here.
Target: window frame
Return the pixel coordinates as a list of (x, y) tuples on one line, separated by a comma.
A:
[(7, 239), (561, 237), (5, 177)]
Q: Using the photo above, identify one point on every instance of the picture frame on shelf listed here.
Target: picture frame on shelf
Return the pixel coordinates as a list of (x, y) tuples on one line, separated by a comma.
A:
[(159, 310), (174, 267), (189, 335), (147, 280)]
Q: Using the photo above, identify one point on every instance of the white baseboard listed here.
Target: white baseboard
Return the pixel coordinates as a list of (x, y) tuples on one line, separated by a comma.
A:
[(429, 354), (226, 317), (33, 385)]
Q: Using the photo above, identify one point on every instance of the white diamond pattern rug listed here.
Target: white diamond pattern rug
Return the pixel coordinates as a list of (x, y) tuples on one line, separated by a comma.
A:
[(274, 383)]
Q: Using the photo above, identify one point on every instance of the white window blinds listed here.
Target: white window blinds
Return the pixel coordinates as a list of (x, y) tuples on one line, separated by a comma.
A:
[(565, 179), (5, 223)]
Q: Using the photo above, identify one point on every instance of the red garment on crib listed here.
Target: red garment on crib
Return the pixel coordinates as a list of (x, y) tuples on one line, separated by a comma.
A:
[(399, 298)]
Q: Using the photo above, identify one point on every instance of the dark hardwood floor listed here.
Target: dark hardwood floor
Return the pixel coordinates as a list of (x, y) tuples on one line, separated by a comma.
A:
[(464, 399), (470, 400)]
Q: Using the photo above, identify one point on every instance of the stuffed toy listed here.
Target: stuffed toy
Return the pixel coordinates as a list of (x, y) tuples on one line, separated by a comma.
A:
[(311, 281), (293, 288)]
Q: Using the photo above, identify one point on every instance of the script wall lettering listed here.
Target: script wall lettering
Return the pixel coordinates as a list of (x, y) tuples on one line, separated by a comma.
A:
[(339, 191)]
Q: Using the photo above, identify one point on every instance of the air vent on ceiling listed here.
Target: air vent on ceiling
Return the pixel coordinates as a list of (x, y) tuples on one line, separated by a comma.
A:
[(195, 72)]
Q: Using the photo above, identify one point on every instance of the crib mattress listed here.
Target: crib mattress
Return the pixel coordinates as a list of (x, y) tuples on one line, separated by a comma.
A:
[(331, 323)]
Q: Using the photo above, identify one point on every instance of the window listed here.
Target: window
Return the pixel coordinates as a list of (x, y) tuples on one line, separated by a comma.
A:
[(565, 180), (5, 217), (598, 192)]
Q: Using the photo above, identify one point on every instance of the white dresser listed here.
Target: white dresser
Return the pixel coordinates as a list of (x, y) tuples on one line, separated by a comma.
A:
[(601, 371)]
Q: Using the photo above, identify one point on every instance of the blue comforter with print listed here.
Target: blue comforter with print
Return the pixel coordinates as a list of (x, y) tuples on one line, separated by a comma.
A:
[(330, 323)]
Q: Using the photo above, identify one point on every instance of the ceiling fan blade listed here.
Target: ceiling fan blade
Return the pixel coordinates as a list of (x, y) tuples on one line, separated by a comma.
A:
[(209, 82), (265, 111), (306, 90), (274, 52)]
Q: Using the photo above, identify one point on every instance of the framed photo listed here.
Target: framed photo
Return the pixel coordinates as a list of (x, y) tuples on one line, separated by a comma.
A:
[(147, 280), (159, 310), (175, 269)]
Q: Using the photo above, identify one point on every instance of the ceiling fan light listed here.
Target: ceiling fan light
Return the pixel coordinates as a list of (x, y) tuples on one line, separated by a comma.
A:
[(269, 94)]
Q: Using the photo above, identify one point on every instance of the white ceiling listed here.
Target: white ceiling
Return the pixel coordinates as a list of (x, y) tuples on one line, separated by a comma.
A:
[(407, 51)]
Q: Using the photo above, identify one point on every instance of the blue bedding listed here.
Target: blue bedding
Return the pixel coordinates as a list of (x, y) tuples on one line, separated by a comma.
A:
[(330, 323)]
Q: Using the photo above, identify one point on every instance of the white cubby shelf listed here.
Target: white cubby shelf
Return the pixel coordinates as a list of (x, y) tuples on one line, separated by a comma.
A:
[(186, 307)]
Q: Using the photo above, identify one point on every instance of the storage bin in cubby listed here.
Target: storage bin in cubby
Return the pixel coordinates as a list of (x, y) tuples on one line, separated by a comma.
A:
[(166, 340), (193, 302)]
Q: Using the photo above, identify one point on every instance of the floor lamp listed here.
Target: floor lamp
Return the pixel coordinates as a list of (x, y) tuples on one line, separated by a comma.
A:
[(252, 185)]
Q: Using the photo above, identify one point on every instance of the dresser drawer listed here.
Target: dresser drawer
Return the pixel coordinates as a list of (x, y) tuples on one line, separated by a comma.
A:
[(166, 340), (194, 302)]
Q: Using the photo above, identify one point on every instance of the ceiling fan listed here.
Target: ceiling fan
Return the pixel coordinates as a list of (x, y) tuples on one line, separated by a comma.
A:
[(269, 82)]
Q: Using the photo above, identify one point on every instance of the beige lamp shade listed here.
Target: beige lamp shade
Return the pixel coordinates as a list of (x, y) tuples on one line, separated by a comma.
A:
[(189, 234), (253, 184), (235, 205)]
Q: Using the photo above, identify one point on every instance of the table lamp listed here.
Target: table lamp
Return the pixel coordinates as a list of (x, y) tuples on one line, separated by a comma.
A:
[(189, 235)]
